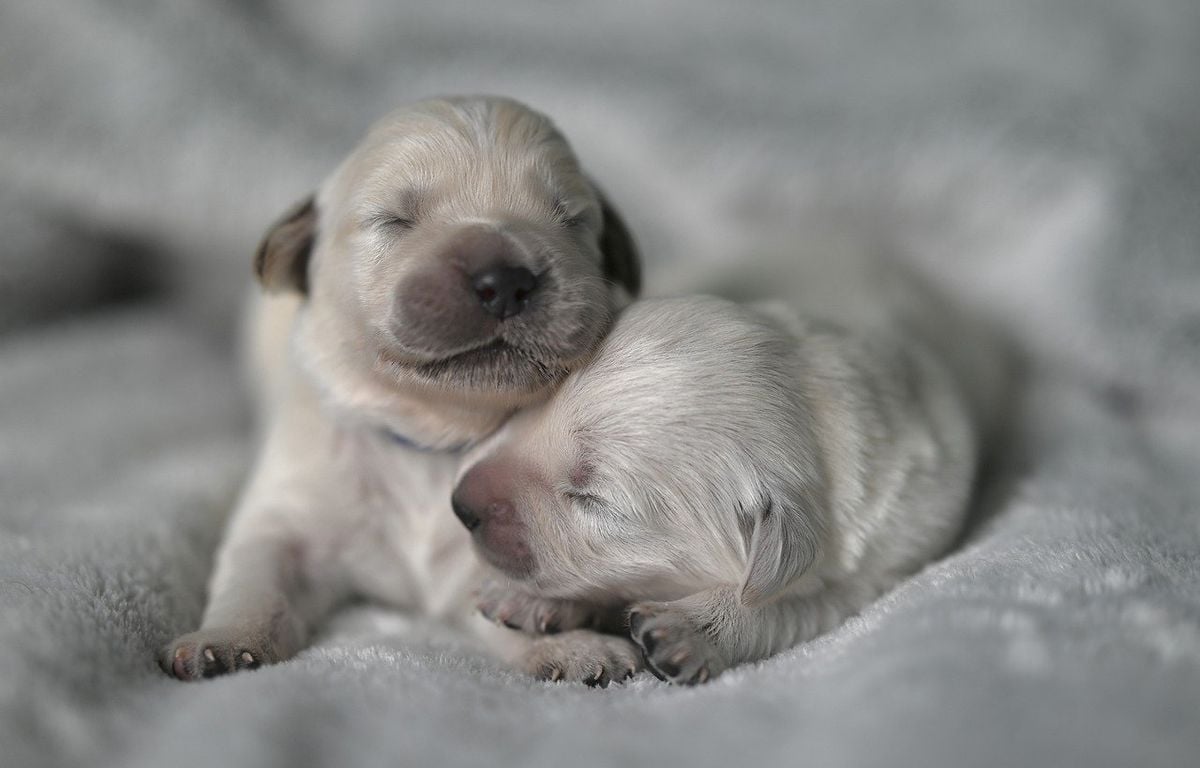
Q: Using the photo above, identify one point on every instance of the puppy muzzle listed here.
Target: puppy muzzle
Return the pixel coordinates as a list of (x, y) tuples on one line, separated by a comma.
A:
[(499, 535)]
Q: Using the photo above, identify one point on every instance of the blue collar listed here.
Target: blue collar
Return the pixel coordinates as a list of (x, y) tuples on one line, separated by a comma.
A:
[(407, 442)]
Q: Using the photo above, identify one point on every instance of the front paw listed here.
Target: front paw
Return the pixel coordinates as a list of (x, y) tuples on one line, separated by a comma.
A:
[(515, 609), (582, 656), (218, 651), (675, 649)]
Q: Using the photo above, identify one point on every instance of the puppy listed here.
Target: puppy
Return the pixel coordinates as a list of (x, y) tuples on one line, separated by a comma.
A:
[(455, 267), (741, 476)]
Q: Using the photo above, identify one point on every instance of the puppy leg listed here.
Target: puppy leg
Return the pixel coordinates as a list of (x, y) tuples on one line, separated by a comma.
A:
[(692, 640), (260, 608), (581, 656), (501, 601)]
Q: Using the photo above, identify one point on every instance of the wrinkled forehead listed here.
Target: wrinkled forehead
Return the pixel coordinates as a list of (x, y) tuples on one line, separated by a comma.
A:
[(480, 154)]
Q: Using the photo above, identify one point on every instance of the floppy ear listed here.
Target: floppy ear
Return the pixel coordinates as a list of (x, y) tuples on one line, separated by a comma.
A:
[(621, 263), (281, 262), (783, 543)]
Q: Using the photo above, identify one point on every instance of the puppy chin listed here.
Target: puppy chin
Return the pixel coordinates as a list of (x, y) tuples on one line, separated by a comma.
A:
[(489, 363), (497, 367)]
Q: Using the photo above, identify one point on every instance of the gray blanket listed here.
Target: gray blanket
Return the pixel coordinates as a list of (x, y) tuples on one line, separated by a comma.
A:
[(1040, 160)]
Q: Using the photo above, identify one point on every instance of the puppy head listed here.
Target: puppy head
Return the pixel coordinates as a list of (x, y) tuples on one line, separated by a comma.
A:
[(458, 250), (682, 456)]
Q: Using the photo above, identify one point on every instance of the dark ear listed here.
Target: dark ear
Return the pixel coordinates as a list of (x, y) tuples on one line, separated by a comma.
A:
[(281, 262), (783, 543), (621, 261)]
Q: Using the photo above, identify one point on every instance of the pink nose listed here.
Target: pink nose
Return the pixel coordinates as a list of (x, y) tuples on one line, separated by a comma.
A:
[(496, 526), (465, 514)]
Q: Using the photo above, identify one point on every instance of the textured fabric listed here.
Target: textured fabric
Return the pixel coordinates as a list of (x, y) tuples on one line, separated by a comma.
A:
[(1040, 160)]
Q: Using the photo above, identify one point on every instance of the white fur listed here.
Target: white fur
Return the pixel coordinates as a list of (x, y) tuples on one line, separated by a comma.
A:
[(742, 475)]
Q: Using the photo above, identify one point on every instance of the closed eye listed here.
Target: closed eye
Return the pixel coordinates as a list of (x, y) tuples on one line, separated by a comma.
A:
[(402, 223), (399, 212), (588, 501), (399, 217), (565, 217)]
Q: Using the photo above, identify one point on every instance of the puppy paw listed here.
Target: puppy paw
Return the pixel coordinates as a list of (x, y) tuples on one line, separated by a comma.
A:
[(515, 609), (582, 656), (217, 651), (675, 649)]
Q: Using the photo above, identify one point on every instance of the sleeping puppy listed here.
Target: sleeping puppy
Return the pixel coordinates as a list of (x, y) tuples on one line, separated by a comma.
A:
[(455, 267), (739, 476)]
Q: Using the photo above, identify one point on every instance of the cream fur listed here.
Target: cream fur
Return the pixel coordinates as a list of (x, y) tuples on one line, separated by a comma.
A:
[(352, 349)]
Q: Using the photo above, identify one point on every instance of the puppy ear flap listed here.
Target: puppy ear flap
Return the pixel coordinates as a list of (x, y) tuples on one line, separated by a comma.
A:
[(783, 543), (281, 261), (622, 263)]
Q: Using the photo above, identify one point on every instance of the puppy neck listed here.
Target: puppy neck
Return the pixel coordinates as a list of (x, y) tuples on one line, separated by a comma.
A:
[(404, 441), (430, 422)]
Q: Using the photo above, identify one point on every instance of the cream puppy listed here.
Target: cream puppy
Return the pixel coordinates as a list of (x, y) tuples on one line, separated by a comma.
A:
[(455, 267), (740, 476)]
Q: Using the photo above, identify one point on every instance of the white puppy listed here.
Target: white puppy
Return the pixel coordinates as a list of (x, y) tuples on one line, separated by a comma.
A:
[(450, 271), (742, 477)]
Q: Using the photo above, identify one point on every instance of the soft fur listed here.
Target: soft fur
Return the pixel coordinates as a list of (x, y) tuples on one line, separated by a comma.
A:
[(1042, 158), (377, 361), (742, 476)]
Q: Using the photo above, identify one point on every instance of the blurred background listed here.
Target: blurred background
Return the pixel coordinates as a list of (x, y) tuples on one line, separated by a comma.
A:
[(146, 145), (1039, 160)]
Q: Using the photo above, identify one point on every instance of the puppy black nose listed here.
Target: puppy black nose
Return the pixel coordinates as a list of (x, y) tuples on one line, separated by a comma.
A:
[(504, 291), (467, 517)]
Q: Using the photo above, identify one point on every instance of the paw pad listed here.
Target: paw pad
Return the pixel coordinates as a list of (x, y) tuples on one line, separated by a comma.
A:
[(675, 651)]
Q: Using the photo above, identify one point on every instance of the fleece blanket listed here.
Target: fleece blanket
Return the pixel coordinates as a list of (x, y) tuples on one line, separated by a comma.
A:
[(1041, 161)]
